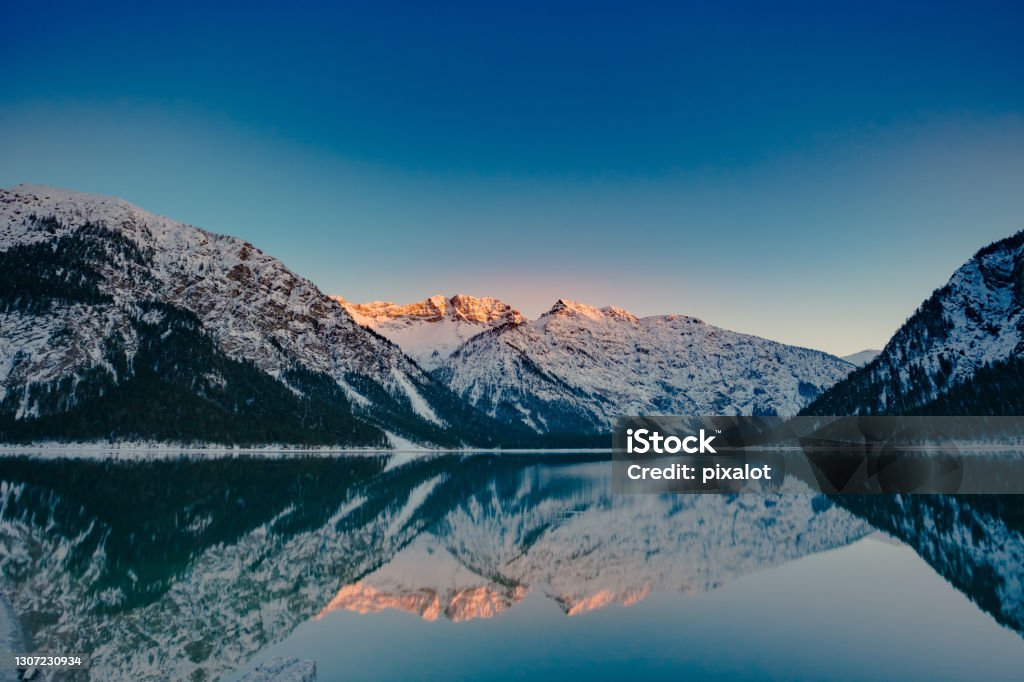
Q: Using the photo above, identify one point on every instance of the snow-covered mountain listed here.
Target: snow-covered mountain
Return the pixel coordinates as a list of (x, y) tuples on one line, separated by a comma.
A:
[(974, 323), (578, 368), (430, 330), (95, 292), (117, 323), (861, 358)]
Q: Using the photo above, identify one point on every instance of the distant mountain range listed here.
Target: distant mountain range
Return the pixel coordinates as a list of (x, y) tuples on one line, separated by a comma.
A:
[(861, 358), (431, 330), (118, 324), (577, 368)]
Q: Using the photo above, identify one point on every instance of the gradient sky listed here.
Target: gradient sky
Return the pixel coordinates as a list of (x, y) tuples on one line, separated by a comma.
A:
[(807, 172)]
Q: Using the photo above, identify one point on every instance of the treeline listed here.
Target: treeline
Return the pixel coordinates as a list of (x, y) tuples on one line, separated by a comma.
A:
[(180, 387), (67, 269), (995, 390)]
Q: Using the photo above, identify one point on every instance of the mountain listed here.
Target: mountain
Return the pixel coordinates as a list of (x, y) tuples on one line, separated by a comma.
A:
[(117, 323), (577, 368), (959, 353), (861, 358), (430, 330)]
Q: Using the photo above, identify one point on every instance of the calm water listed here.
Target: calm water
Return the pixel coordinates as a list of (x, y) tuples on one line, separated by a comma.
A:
[(497, 567)]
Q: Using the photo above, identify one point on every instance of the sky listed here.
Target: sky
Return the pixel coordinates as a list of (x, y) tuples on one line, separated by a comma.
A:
[(807, 172)]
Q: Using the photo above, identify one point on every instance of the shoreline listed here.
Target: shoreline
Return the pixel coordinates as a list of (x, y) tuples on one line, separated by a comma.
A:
[(172, 451)]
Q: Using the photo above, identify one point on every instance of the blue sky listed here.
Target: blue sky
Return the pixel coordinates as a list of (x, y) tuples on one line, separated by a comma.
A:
[(808, 172)]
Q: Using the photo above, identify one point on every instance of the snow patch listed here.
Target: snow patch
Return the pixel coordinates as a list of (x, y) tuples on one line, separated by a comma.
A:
[(419, 405)]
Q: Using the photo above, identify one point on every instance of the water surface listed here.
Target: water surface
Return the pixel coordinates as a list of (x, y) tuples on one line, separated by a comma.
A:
[(497, 567)]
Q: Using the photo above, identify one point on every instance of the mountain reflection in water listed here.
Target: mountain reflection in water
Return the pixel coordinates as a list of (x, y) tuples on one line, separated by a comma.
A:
[(188, 568)]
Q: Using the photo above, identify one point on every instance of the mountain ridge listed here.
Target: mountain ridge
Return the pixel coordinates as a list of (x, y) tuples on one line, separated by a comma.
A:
[(578, 367), (549, 398), (123, 325)]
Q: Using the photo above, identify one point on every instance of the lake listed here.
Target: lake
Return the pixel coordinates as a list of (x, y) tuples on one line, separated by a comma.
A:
[(484, 566)]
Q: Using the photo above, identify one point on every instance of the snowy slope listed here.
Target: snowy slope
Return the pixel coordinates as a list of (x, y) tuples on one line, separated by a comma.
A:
[(430, 330), (579, 368), (975, 319), (249, 303)]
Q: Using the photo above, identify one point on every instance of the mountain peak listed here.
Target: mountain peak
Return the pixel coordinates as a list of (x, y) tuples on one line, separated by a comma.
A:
[(564, 307), (483, 310), (45, 198), (460, 307), (431, 329), (51, 193), (619, 314)]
